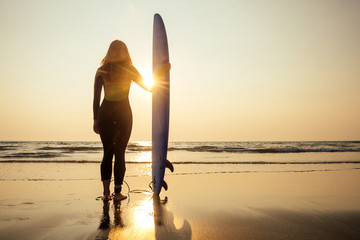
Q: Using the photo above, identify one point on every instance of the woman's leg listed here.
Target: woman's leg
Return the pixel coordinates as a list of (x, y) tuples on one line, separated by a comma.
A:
[(122, 135), (107, 140), (107, 135), (121, 141), (106, 192), (106, 163)]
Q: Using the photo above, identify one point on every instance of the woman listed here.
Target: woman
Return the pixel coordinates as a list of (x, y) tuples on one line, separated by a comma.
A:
[(113, 119)]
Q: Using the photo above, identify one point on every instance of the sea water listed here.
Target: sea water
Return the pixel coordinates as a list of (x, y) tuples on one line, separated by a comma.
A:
[(63, 161)]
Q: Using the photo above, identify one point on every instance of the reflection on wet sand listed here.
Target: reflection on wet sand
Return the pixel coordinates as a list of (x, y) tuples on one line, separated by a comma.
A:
[(117, 216), (105, 220), (105, 229), (164, 222), (144, 219)]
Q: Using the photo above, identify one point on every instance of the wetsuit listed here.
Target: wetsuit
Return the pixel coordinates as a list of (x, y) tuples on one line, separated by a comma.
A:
[(114, 116)]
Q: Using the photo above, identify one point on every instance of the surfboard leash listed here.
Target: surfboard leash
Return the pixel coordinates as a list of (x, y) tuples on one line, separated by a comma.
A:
[(138, 190), (145, 191)]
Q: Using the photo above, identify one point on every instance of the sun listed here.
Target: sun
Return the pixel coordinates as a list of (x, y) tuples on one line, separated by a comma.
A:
[(148, 79)]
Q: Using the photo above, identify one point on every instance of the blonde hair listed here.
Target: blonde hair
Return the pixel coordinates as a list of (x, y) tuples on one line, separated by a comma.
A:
[(117, 52)]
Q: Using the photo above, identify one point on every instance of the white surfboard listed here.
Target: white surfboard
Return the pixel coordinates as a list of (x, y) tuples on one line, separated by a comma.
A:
[(160, 107)]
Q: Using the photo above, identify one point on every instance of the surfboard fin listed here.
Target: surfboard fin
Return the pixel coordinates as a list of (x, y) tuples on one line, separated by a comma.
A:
[(169, 165), (164, 185)]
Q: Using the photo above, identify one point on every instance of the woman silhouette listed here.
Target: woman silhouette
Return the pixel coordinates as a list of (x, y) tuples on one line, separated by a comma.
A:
[(113, 119)]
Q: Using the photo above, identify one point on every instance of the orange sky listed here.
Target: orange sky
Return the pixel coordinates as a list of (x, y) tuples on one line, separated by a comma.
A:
[(241, 70)]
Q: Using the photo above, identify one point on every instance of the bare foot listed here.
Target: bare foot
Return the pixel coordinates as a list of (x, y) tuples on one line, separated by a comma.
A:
[(106, 198), (119, 197)]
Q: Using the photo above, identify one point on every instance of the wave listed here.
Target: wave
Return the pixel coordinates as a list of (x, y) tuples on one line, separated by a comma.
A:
[(32, 155), (71, 149), (130, 147), (138, 148), (261, 150), (268, 163), (53, 152), (187, 163), (257, 147), (7, 148), (77, 150)]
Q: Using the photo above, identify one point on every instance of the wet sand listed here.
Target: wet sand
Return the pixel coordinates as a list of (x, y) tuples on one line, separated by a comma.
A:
[(291, 205)]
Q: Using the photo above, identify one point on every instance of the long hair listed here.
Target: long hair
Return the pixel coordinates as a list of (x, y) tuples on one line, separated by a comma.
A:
[(116, 60), (117, 52)]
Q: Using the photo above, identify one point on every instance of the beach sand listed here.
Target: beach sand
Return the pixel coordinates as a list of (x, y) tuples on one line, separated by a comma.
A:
[(291, 205)]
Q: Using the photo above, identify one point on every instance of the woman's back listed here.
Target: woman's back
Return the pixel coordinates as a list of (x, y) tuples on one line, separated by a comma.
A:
[(117, 79)]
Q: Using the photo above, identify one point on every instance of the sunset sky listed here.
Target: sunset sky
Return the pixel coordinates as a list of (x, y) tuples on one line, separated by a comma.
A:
[(242, 70)]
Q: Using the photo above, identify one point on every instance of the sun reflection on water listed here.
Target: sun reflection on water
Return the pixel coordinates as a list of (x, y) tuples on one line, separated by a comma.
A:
[(144, 143), (143, 157)]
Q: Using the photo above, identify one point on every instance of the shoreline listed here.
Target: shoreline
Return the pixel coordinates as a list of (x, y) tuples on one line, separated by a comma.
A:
[(296, 205)]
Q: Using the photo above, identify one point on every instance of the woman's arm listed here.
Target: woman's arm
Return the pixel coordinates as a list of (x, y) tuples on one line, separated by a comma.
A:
[(96, 103), (138, 79)]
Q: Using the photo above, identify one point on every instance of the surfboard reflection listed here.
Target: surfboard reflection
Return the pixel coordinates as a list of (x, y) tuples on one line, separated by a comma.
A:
[(164, 222)]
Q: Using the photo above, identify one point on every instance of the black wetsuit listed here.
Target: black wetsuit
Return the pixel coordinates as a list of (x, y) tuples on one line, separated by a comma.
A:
[(114, 116)]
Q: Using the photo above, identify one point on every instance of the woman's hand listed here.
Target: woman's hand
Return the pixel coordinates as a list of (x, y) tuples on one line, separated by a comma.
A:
[(151, 88), (95, 127), (164, 68)]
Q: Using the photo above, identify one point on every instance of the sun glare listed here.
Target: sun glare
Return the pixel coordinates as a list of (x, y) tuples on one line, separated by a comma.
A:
[(148, 79), (143, 215)]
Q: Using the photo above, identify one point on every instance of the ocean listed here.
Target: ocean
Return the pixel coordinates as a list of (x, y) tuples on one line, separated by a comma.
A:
[(67, 160)]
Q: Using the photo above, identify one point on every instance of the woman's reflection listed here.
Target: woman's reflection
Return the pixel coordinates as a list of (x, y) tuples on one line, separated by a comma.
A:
[(105, 219)]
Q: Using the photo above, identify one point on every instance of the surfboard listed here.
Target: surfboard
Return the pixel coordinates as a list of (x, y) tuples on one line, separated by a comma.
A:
[(160, 107)]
